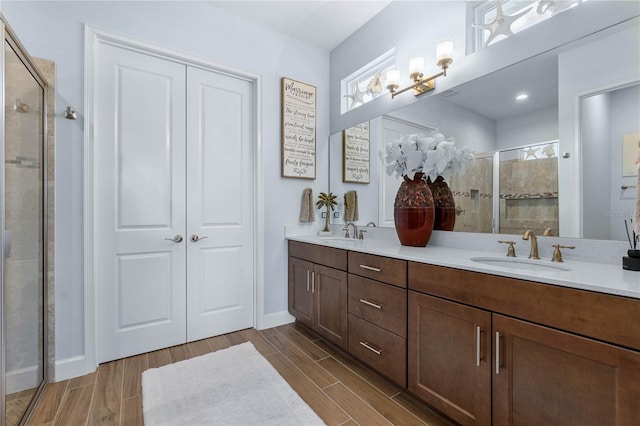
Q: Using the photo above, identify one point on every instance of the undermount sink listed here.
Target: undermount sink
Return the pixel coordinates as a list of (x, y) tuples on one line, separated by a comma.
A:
[(521, 264), (340, 241)]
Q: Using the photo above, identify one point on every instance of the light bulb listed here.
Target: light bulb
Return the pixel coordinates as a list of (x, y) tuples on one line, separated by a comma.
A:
[(416, 65), (393, 77), (444, 53)]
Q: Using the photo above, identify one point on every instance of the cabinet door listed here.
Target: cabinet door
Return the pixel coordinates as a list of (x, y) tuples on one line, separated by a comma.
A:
[(300, 294), (449, 353), (330, 290), (548, 377)]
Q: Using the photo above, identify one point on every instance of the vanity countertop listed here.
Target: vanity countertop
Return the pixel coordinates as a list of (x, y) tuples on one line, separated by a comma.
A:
[(602, 278)]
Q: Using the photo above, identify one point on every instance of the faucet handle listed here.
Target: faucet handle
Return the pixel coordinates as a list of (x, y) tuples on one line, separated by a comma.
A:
[(346, 232), (511, 251), (557, 255), (361, 234)]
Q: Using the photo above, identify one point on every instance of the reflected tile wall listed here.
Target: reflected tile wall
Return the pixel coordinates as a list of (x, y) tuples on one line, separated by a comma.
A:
[(473, 195), (48, 69), (529, 195)]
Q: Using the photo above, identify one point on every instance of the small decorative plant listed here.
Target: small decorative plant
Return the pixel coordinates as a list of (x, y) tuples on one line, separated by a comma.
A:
[(432, 155), (327, 201)]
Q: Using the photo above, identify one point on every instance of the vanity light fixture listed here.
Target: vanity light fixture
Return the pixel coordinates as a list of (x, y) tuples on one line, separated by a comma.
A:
[(421, 84), (522, 97)]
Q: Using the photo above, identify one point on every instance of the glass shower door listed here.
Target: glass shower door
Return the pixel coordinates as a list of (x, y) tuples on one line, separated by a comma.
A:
[(24, 242)]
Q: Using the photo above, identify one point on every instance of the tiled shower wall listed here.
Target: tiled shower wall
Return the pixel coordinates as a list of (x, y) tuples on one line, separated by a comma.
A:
[(23, 163), (529, 196), (48, 69), (473, 195)]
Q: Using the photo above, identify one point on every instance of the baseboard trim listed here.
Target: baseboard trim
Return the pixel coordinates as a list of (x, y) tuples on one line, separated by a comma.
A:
[(69, 368), (19, 380), (274, 320)]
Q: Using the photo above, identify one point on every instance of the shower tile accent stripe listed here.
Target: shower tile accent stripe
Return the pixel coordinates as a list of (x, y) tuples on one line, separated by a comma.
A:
[(468, 194), (24, 162)]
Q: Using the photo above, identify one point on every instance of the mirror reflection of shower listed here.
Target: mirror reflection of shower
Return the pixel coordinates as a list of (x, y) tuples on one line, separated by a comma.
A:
[(509, 191), (529, 189), (23, 241)]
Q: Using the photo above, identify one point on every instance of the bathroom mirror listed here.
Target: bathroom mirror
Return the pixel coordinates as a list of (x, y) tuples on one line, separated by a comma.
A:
[(485, 115)]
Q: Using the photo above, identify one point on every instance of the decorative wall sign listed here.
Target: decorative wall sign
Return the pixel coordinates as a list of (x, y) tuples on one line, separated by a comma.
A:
[(298, 129), (355, 154), (630, 154)]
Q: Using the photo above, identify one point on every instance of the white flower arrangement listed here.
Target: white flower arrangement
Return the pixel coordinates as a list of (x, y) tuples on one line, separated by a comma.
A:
[(432, 155)]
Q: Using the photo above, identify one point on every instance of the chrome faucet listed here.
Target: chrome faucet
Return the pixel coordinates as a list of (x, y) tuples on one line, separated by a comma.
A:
[(346, 230), (528, 234)]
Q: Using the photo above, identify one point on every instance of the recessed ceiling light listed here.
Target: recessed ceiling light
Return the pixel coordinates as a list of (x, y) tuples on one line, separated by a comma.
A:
[(522, 97)]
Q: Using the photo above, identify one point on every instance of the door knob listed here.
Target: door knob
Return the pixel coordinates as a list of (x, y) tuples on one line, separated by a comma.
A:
[(176, 239), (195, 238)]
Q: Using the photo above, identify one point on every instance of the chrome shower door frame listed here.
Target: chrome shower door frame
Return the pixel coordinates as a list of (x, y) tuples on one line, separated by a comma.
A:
[(11, 38)]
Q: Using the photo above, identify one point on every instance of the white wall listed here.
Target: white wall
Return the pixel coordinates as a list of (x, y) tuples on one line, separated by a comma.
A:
[(624, 119), (55, 30), (622, 49), (530, 128), (596, 152), (467, 127)]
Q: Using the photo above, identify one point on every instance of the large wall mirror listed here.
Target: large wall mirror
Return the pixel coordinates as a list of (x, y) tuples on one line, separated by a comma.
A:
[(552, 162)]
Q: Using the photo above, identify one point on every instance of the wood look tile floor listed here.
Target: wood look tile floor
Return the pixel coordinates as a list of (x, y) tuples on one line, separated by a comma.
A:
[(340, 390)]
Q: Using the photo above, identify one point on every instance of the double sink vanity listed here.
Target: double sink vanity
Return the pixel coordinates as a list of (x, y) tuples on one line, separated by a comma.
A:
[(481, 337)]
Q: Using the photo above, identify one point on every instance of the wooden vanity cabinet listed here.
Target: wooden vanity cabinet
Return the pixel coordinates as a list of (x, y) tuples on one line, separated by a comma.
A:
[(449, 358), (318, 289), (530, 373), (544, 376), (378, 313)]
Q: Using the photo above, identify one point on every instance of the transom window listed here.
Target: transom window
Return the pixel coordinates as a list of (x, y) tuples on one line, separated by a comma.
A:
[(515, 16), (367, 83)]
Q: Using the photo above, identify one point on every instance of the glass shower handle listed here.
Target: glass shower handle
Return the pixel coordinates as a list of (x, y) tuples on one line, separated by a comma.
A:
[(7, 243)]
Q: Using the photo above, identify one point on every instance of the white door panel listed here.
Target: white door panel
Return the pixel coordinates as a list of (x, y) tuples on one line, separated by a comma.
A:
[(173, 156), (220, 204), (139, 192)]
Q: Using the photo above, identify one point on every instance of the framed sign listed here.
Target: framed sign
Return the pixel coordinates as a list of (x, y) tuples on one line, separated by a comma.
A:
[(355, 154), (298, 129), (630, 154)]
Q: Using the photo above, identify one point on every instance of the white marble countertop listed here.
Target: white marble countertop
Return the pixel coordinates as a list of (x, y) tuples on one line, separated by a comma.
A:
[(598, 277)]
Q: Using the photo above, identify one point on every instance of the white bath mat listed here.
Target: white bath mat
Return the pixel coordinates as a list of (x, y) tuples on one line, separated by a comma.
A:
[(233, 386)]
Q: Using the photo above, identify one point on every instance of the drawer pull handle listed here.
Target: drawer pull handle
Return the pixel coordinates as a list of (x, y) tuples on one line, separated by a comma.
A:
[(313, 282), (371, 348), (497, 352), (308, 281), (370, 268), (478, 349), (366, 302)]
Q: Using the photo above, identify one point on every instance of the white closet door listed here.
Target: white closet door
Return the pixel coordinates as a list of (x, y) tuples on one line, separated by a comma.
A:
[(139, 202), (220, 209)]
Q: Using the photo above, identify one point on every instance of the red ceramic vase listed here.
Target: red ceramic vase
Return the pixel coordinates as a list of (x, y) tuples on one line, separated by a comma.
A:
[(413, 212), (445, 205)]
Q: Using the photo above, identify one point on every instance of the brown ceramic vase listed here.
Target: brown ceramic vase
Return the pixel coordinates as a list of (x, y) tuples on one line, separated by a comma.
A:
[(444, 204), (413, 212)]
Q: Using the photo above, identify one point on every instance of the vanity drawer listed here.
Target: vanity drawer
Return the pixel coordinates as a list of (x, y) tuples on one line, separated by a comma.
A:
[(391, 271), (382, 350), (381, 304), (328, 256)]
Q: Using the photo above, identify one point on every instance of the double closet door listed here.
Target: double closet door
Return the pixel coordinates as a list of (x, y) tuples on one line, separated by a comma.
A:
[(173, 202)]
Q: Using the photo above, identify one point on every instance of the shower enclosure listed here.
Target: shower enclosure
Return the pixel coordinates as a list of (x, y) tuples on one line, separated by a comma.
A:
[(23, 216)]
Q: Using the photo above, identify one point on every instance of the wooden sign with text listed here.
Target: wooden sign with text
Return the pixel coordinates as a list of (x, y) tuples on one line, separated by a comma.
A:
[(355, 154), (298, 129)]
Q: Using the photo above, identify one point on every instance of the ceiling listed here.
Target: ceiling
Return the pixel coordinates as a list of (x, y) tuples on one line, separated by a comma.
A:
[(493, 95), (322, 23)]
